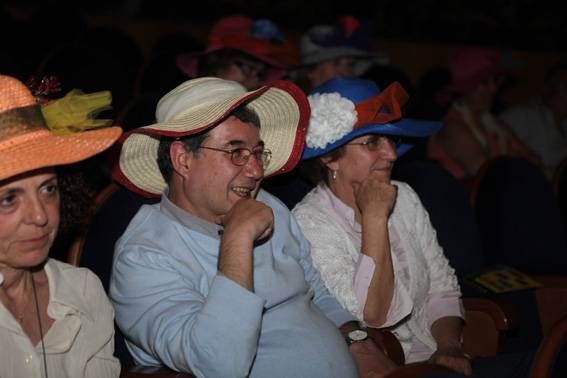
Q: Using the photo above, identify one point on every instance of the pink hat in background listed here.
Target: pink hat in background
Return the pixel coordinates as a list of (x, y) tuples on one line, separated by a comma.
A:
[(261, 39), (470, 66)]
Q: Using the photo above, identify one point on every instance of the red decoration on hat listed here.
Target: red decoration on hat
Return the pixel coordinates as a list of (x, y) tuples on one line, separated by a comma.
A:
[(349, 25), (42, 88), (384, 108)]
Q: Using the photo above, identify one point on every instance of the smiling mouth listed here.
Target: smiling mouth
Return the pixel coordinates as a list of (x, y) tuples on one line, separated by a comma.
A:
[(242, 192)]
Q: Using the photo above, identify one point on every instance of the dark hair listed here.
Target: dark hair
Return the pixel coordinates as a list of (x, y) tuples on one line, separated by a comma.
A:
[(193, 142), (552, 84), (315, 171), (214, 63), (554, 70)]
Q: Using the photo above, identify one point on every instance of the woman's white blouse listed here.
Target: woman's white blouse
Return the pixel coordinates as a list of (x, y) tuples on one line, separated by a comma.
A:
[(80, 343), (426, 287)]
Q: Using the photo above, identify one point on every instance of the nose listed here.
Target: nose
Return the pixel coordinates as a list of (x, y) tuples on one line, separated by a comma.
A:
[(345, 71), (388, 152), (254, 168), (36, 213)]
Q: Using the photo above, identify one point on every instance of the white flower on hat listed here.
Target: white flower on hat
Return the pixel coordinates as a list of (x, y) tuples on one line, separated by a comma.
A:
[(332, 117)]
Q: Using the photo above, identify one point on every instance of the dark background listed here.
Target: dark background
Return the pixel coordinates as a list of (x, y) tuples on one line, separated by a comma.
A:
[(525, 24), (417, 35)]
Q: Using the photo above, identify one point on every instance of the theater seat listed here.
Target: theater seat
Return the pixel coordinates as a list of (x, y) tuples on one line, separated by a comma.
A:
[(552, 346), (486, 324)]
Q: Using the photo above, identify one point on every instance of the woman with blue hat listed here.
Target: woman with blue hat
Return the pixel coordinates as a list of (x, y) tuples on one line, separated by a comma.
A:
[(371, 238)]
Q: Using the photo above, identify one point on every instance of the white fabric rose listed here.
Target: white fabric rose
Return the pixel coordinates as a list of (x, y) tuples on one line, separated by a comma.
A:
[(332, 117)]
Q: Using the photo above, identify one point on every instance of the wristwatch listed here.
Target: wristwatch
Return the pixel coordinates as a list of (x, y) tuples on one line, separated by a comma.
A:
[(356, 336)]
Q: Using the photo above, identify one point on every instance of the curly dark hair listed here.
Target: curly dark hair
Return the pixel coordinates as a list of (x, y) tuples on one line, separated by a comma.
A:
[(76, 199)]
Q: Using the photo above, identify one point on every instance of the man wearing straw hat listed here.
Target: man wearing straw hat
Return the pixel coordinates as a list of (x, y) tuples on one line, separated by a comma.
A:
[(216, 279)]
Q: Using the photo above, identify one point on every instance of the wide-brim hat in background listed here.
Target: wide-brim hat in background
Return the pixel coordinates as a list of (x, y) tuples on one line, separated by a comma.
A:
[(348, 38), (27, 143), (470, 66), (260, 39), (201, 104), (345, 108)]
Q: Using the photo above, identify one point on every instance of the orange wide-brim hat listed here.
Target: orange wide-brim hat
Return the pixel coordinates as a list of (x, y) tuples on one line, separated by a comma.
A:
[(26, 142)]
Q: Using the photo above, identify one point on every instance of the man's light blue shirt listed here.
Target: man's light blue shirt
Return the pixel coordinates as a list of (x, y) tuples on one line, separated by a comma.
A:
[(177, 310)]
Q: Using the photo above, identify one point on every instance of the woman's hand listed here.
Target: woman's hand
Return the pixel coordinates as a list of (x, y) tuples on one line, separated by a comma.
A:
[(447, 333), (375, 197), (370, 361), (453, 358)]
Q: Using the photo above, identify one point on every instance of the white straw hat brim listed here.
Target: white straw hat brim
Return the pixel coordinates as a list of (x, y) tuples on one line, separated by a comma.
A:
[(283, 111)]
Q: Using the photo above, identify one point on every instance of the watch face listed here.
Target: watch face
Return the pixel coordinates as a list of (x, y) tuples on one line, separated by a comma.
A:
[(357, 335)]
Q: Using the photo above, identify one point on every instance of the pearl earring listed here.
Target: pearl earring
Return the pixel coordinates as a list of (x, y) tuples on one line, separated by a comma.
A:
[(334, 175)]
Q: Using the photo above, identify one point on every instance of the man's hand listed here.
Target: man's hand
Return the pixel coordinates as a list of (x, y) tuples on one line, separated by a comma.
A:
[(453, 358), (247, 222), (370, 361), (248, 219), (375, 197)]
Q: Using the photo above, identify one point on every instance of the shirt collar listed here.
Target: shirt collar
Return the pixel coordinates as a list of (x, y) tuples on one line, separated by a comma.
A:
[(64, 295), (345, 212), (189, 220)]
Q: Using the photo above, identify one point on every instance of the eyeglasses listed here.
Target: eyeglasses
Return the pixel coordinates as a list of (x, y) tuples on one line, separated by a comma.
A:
[(240, 156), (376, 141), (250, 69)]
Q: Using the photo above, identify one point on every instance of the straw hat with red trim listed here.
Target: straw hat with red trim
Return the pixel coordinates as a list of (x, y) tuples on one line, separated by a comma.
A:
[(345, 108), (26, 142), (203, 103)]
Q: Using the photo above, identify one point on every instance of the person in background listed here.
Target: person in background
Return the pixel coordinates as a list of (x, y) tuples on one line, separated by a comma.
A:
[(541, 123), (342, 49), (55, 319), (250, 52), (471, 133)]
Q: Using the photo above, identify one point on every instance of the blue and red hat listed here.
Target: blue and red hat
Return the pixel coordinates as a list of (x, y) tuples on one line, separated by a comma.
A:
[(345, 108)]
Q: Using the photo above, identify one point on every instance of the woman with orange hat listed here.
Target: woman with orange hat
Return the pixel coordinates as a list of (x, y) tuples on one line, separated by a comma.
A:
[(55, 319)]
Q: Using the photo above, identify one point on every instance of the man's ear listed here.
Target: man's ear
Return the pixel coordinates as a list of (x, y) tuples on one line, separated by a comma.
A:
[(180, 158)]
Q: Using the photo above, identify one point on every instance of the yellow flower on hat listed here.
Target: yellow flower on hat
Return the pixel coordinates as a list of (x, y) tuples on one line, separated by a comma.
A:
[(77, 112)]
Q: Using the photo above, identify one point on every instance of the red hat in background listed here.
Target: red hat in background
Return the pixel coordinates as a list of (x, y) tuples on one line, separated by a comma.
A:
[(471, 66), (260, 39)]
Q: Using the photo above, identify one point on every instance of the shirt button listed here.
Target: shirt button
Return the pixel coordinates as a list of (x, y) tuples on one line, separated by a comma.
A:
[(29, 359)]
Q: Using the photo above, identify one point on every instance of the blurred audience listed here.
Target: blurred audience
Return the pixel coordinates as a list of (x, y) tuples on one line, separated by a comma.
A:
[(250, 52), (342, 49), (471, 134), (160, 72), (541, 123), (519, 220)]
